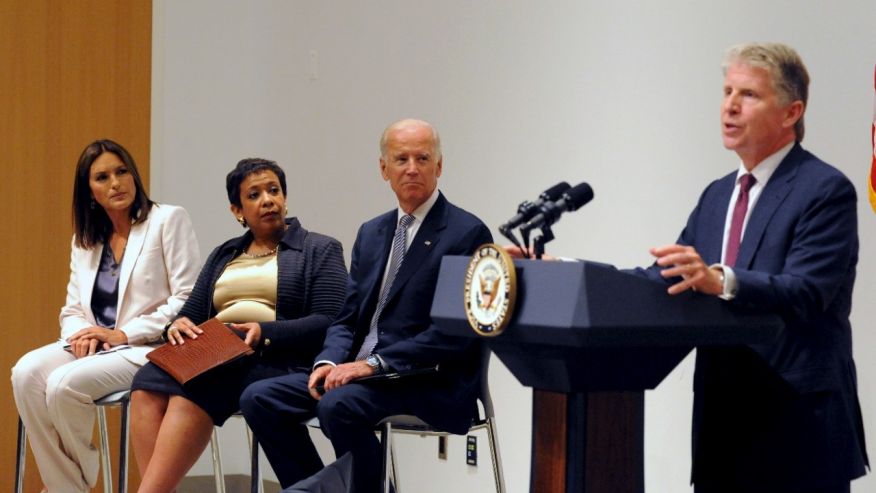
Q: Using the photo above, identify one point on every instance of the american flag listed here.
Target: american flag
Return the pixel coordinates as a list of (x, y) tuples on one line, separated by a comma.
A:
[(872, 181)]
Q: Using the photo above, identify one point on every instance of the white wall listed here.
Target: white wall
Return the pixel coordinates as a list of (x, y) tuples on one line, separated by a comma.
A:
[(621, 94)]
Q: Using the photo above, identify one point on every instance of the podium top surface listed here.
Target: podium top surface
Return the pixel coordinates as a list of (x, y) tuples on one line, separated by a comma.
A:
[(585, 304)]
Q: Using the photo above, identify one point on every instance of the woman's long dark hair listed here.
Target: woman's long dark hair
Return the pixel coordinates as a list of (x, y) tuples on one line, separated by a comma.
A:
[(91, 225)]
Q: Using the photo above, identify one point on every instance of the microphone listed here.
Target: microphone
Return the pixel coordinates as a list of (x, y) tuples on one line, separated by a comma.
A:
[(571, 200), (526, 210)]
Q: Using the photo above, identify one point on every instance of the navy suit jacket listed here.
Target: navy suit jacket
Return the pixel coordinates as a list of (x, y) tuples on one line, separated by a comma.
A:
[(407, 337), (783, 414)]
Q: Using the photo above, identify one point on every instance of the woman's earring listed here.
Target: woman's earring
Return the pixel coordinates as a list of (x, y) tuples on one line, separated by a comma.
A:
[(92, 204), (241, 220), (286, 207)]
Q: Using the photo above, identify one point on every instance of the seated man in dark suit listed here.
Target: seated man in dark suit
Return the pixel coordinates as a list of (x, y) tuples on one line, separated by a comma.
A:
[(778, 234), (384, 325)]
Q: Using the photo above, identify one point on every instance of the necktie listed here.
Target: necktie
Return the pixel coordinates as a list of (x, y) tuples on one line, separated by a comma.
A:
[(395, 261), (739, 210)]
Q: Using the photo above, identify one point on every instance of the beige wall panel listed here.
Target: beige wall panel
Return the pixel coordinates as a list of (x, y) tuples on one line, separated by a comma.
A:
[(73, 71)]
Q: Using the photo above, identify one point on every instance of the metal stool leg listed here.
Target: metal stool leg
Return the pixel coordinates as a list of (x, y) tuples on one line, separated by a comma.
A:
[(123, 447), (218, 477), (104, 450), (497, 460), (256, 485), (394, 469), (19, 460), (387, 456)]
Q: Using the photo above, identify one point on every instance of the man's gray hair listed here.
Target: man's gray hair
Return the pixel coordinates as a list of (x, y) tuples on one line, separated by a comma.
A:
[(789, 75)]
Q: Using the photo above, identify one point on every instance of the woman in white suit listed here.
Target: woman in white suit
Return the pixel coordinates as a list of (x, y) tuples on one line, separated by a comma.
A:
[(132, 266)]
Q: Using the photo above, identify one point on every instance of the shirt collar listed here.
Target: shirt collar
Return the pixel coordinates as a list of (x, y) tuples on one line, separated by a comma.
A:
[(421, 212), (765, 169)]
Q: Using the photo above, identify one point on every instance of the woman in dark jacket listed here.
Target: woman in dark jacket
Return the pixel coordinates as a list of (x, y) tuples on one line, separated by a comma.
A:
[(279, 286)]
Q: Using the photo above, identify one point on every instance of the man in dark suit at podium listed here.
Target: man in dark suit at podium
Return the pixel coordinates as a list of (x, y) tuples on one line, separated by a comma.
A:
[(385, 325), (778, 234)]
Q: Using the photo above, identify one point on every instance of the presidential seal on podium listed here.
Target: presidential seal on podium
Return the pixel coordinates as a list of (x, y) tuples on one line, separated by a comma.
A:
[(490, 290)]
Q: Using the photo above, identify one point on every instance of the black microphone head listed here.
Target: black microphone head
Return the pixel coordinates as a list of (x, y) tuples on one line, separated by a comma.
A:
[(577, 196), (553, 193)]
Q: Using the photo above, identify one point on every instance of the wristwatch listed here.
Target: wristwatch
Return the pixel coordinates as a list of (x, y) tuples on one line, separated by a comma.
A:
[(374, 362)]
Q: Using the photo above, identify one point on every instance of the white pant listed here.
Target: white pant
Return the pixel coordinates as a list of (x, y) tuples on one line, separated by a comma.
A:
[(55, 394)]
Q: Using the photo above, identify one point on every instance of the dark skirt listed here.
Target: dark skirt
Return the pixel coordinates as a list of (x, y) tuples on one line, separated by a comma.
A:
[(217, 391)]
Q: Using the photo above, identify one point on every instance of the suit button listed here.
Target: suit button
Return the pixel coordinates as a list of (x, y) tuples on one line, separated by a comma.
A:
[(267, 342)]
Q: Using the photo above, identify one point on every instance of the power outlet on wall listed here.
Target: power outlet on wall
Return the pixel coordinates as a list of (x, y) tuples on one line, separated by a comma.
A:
[(471, 450)]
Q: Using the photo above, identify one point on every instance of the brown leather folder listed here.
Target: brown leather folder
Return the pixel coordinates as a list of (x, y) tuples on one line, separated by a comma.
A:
[(216, 346)]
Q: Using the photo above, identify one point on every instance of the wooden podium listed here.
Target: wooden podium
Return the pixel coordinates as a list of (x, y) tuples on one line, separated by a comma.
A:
[(589, 340)]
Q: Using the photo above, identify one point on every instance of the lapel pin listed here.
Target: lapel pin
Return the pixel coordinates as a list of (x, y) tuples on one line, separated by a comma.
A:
[(427, 242)]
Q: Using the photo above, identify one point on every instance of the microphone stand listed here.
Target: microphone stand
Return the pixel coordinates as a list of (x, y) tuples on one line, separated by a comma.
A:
[(524, 233), (538, 243), (507, 233)]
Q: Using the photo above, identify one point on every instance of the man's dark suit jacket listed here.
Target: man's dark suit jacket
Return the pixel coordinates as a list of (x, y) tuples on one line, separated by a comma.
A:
[(783, 415), (407, 338)]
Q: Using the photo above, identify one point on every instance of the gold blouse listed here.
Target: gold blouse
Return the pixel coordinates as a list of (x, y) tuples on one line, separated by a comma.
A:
[(247, 290)]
